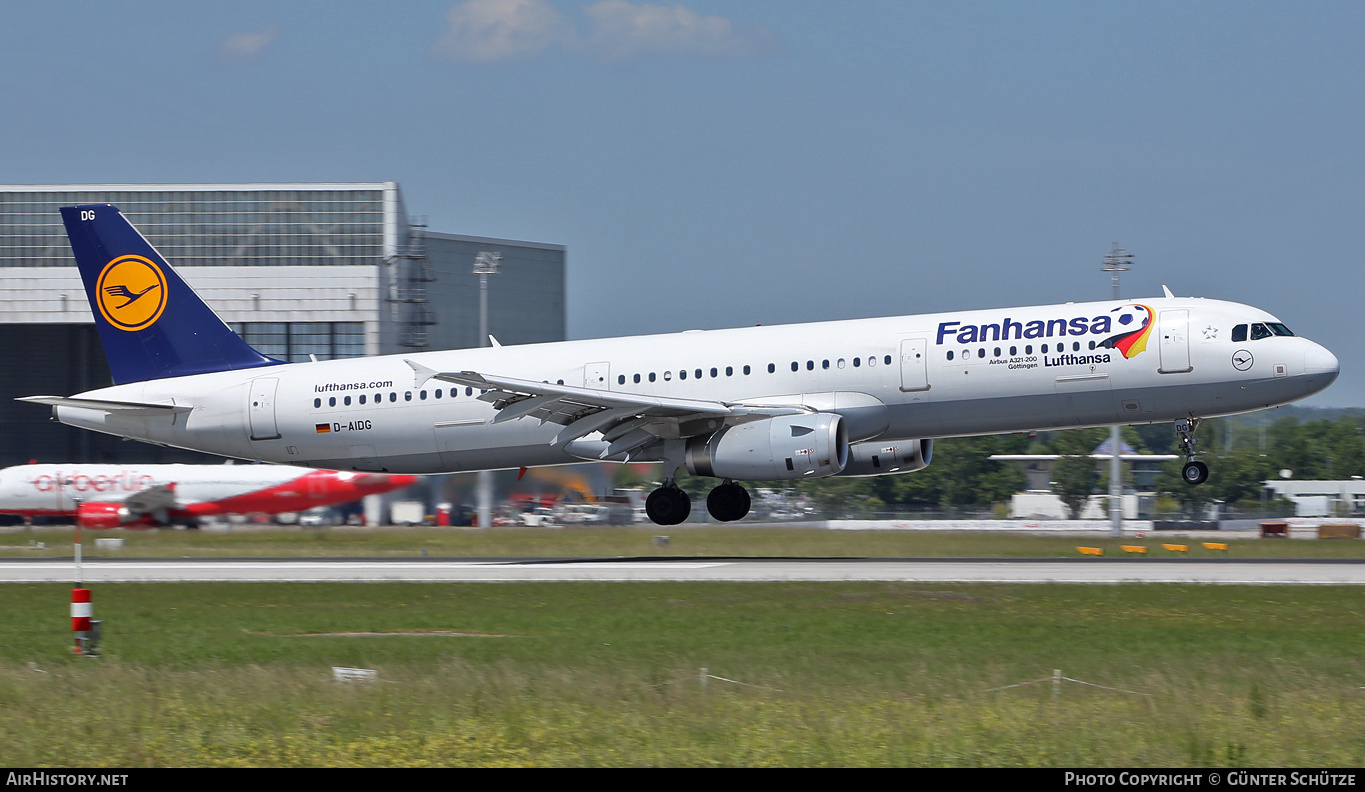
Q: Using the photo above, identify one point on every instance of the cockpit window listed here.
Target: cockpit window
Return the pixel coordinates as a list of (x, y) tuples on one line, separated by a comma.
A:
[(1260, 330)]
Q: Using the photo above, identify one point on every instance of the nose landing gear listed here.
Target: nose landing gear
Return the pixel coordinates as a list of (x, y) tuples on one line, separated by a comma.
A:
[(1193, 472)]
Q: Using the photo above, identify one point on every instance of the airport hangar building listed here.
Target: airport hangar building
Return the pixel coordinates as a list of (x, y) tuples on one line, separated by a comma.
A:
[(332, 270)]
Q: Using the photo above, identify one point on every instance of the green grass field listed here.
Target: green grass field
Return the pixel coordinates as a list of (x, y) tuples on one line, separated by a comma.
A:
[(608, 674), (637, 541)]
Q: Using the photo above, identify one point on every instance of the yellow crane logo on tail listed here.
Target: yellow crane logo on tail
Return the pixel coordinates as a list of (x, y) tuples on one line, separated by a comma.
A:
[(131, 292)]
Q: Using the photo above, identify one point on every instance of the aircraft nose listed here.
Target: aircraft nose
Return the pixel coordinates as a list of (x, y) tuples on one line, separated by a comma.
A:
[(1319, 360)]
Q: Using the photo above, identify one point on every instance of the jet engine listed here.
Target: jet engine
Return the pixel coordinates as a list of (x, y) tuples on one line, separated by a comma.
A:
[(102, 515), (782, 448), (885, 457)]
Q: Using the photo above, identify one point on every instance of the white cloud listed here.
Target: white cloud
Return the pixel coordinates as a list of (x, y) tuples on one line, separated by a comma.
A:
[(625, 31), (492, 30), (246, 45)]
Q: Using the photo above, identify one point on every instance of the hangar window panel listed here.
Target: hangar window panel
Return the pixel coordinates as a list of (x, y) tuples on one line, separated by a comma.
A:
[(348, 339), (310, 338), (211, 227), (268, 338), (295, 341)]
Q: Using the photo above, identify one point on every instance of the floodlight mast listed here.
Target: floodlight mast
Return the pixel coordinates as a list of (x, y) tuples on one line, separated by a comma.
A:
[(485, 264), (1115, 262)]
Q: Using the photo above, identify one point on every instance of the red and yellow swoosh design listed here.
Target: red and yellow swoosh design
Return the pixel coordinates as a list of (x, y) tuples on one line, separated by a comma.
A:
[(1134, 341)]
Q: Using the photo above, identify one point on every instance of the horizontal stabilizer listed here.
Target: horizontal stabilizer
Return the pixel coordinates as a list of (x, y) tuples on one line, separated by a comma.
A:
[(124, 407)]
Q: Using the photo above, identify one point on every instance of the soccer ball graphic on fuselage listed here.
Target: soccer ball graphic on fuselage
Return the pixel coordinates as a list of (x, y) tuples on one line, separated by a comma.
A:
[(862, 397)]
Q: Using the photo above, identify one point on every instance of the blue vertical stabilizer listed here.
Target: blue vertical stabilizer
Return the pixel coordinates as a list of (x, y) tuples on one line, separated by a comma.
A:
[(151, 322)]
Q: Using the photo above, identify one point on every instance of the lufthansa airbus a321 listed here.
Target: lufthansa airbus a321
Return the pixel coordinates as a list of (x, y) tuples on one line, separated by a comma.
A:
[(862, 397)]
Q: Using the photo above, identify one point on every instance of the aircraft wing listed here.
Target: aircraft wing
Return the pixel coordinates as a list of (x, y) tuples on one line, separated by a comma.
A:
[(627, 421), (152, 500)]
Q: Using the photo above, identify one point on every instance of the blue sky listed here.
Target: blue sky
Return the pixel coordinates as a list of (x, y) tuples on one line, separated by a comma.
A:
[(713, 164)]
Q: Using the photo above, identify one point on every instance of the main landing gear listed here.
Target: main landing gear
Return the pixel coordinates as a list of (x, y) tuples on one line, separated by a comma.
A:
[(669, 505), (728, 502), (1193, 472)]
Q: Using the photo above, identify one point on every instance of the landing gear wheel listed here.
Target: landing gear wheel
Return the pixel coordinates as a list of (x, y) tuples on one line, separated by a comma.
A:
[(1195, 473), (728, 502), (668, 506)]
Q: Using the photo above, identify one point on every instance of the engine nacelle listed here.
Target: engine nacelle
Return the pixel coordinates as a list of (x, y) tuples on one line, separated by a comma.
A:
[(102, 515), (783, 448), (887, 457)]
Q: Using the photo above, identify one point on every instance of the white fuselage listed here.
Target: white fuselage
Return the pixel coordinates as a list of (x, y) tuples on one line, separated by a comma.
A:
[(909, 377)]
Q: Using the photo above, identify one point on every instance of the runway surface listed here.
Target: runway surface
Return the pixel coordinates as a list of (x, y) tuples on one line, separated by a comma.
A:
[(1259, 572)]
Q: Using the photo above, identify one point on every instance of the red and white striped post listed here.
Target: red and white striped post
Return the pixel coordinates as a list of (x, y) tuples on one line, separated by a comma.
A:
[(81, 611)]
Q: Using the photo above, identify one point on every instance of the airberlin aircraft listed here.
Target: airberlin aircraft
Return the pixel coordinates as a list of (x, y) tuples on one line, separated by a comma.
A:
[(145, 496), (863, 397)]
